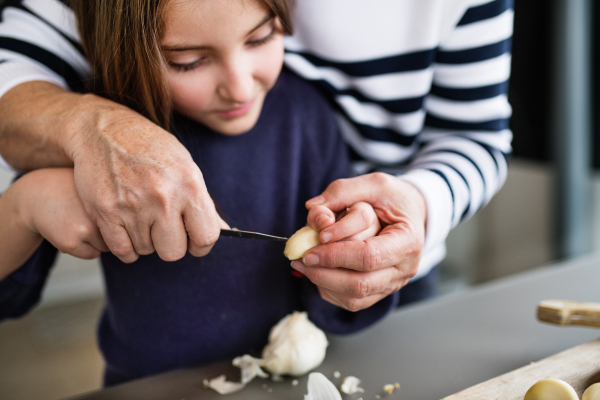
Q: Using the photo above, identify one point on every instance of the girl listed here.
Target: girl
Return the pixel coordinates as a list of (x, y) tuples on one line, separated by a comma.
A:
[(265, 142)]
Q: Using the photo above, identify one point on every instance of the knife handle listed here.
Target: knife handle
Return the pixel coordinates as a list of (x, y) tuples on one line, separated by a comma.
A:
[(565, 312)]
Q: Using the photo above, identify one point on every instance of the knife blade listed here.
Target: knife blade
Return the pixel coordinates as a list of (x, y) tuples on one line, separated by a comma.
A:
[(251, 235)]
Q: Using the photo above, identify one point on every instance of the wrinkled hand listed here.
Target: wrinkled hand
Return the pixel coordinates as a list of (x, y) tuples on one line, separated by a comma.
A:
[(57, 214), (141, 187), (354, 269)]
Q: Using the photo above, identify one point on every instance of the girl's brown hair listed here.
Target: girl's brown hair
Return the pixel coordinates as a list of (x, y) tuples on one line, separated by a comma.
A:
[(121, 40)]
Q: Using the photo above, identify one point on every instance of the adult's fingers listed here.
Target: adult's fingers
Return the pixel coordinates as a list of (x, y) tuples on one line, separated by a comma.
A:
[(351, 290), (94, 238), (353, 284), (359, 223), (139, 231), (118, 242), (140, 234), (391, 247), (319, 218), (203, 226), (170, 238), (350, 303), (343, 193), (223, 224)]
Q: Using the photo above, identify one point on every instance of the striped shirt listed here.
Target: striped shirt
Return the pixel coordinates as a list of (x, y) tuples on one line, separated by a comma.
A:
[(420, 87)]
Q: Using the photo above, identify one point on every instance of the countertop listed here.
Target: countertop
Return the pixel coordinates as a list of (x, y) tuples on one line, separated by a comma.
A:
[(433, 349)]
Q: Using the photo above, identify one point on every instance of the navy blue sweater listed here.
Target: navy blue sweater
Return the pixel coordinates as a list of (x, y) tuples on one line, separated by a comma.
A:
[(161, 316)]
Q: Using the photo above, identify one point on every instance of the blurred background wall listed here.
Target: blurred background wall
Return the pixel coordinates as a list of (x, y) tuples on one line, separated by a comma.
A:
[(521, 228)]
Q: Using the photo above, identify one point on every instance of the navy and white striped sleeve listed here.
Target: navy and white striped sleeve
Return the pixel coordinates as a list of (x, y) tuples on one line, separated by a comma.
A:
[(466, 134), (39, 42)]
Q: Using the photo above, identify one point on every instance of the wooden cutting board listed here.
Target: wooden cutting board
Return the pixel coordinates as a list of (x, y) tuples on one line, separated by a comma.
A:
[(579, 366)]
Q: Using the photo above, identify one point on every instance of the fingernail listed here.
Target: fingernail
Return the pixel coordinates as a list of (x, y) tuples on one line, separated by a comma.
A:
[(321, 219), (316, 201), (311, 259), (298, 266), (325, 237)]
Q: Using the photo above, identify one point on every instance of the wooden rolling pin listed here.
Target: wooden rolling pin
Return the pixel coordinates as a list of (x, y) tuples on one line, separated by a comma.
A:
[(565, 312)]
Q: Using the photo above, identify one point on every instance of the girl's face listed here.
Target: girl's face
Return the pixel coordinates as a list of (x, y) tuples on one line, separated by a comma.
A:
[(223, 57)]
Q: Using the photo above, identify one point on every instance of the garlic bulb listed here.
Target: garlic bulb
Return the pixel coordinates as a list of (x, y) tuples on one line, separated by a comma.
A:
[(295, 346), (321, 388)]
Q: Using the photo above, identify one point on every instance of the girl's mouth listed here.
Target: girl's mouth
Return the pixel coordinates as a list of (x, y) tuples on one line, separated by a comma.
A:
[(235, 112)]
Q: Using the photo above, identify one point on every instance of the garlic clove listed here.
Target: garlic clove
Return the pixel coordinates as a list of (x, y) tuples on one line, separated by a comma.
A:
[(350, 385), (321, 388), (304, 239), (551, 389), (592, 392), (250, 367), (222, 386)]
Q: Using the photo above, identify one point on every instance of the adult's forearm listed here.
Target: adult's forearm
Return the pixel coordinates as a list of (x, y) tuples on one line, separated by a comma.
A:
[(39, 122)]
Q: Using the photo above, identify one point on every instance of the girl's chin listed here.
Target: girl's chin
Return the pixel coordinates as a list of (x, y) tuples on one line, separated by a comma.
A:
[(226, 125), (233, 127)]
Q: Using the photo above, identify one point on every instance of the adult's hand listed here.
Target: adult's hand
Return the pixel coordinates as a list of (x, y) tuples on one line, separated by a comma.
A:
[(140, 185), (136, 181), (357, 272)]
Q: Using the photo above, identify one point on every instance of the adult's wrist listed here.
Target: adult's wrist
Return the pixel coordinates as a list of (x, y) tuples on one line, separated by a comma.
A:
[(88, 117), (32, 120)]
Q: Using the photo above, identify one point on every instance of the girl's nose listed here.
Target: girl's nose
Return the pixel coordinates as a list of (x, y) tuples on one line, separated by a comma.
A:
[(237, 83)]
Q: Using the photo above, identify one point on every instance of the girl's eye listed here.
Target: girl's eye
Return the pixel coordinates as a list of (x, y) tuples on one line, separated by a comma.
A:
[(186, 67), (263, 40)]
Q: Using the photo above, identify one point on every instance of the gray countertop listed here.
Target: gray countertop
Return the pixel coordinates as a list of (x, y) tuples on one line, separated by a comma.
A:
[(433, 349)]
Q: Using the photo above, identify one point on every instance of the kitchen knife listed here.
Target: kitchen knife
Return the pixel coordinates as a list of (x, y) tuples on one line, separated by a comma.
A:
[(251, 235)]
